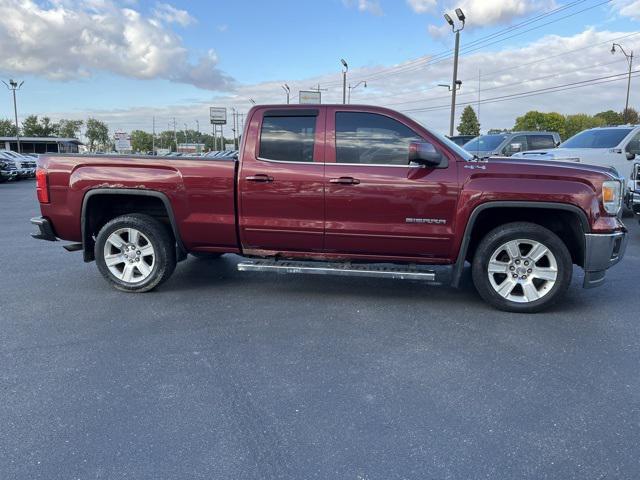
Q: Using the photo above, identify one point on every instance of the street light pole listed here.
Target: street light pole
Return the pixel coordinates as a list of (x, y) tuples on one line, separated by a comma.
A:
[(630, 62), (454, 83), (354, 87), (287, 90), (13, 86), (344, 80)]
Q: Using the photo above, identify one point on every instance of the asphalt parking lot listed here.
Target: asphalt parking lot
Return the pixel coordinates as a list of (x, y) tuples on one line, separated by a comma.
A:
[(221, 374)]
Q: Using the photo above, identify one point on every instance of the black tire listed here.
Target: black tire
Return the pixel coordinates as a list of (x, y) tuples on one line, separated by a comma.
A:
[(549, 292), (159, 237), (206, 255)]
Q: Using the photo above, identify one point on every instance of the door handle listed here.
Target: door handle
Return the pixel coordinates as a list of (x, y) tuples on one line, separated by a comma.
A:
[(345, 180), (260, 177)]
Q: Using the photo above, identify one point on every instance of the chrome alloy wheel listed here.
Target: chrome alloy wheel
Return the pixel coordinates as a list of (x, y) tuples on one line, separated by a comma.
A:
[(129, 255), (522, 270)]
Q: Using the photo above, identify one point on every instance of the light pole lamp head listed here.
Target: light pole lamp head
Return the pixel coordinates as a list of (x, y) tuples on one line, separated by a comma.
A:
[(365, 84), (449, 19), (613, 49), (460, 15), (344, 64)]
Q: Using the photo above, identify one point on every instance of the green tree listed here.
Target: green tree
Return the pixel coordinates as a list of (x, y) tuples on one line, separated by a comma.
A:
[(97, 133), (493, 131), (581, 121), (141, 141), (539, 121), (69, 128), (610, 117), (469, 124), (630, 115), (34, 127), (7, 128), (30, 126)]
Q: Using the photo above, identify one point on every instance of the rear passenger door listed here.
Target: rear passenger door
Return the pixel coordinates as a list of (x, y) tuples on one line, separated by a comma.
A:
[(281, 181)]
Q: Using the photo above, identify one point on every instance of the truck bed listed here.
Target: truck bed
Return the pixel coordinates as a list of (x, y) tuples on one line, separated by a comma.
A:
[(201, 192)]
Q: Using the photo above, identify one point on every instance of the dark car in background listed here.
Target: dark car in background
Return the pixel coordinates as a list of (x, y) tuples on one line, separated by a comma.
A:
[(506, 144)]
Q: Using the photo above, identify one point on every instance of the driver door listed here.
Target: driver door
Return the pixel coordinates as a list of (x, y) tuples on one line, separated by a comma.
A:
[(376, 204)]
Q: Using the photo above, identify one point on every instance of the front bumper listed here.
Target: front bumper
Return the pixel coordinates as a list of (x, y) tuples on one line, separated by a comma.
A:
[(45, 229), (602, 251)]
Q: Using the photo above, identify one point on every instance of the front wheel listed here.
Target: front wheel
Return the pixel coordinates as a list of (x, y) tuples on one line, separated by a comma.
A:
[(522, 267), (135, 253)]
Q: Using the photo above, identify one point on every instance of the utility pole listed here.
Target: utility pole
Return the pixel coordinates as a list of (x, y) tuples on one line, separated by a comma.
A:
[(345, 69), (454, 83), (13, 86), (153, 137), (630, 62), (175, 134), (198, 137), (234, 117)]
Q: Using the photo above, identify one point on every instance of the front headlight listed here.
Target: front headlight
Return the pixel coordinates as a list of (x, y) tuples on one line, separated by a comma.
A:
[(612, 196)]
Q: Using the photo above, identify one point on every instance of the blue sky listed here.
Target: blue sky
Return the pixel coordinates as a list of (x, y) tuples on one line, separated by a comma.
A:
[(257, 45)]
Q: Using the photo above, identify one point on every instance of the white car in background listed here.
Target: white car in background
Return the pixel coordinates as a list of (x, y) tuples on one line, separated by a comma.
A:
[(615, 147)]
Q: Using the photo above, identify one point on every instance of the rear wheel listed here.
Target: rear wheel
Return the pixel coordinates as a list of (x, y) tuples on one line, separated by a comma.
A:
[(522, 267), (135, 253)]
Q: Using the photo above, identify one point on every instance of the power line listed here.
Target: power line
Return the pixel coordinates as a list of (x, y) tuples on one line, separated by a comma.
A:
[(527, 80), (553, 89), (479, 44)]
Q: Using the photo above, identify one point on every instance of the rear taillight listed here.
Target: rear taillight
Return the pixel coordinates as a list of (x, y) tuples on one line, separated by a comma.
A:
[(42, 185)]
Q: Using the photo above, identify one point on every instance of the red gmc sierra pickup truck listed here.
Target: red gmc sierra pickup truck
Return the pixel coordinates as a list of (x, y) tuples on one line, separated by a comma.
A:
[(343, 190)]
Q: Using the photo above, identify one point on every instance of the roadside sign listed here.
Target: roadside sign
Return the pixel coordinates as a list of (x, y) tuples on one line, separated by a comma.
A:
[(309, 96), (218, 115), (122, 141)]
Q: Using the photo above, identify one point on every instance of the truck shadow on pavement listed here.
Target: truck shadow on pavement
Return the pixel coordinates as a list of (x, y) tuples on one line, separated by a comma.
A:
[(222, 273)]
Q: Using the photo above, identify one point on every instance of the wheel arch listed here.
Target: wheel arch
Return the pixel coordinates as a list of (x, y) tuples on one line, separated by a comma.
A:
[(87, 218), (487, 216)]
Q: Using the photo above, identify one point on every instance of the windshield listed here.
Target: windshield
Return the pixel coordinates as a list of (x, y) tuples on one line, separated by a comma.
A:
[(601, 138), (484, 143)]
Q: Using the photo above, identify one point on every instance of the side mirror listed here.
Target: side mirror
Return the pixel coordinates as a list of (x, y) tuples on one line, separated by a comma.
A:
[(424, 153), (630, 155), (515, 147)]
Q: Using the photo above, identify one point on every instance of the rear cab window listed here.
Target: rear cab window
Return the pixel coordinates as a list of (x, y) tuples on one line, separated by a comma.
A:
[(288, 137), (541, 142)]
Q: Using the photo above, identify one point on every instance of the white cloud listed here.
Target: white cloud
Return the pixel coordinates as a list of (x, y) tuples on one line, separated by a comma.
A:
[(369, 6), (416, 88), (480, 13), (422, 6), (170, 14), (74, 38), (483, 13), (629, 8)]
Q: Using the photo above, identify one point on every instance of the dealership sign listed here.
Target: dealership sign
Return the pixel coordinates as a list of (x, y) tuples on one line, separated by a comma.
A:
[(123, 141), (309, 96), (218, 115)]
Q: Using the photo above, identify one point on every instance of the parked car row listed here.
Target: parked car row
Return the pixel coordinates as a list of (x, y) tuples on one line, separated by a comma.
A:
[(14, 166)]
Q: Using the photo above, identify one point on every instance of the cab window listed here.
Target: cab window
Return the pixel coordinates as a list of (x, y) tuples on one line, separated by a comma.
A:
[(515, 145), (288, 138), (372, 139)]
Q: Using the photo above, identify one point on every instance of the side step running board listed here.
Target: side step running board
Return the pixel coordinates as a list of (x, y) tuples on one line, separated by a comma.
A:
[(397, 271)]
